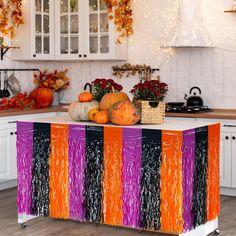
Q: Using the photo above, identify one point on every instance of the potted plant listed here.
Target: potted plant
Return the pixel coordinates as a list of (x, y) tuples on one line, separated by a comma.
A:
[(100, 87), (149, 97)]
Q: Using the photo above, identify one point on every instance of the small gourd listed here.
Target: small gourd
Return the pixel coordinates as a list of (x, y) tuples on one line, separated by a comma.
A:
[(102, 117), (85, 97), (92, 113)]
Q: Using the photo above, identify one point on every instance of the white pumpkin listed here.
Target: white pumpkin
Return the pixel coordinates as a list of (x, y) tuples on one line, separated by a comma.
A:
[(79, 110)]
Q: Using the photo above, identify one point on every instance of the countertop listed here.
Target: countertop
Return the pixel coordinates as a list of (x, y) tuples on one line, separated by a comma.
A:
[(63, 118), (215, 114), (30, 111)]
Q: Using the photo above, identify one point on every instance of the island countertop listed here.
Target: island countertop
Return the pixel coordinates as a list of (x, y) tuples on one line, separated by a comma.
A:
[(63, 118)]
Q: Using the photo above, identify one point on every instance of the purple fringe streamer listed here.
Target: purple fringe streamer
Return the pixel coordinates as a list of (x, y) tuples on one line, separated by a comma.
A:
[(76, 171), (188, 177), (24, 166), (131, 176)]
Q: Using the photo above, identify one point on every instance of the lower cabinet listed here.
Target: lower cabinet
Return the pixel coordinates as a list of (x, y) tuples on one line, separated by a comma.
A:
[(8, 135), (233, 160), (7, 154), (226, 154)]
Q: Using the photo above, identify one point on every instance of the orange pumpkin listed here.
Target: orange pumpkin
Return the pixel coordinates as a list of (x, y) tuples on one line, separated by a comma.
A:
[(102, 117), (92, 113), (85, 97), (43, 97), (124, 113), (110, 99)]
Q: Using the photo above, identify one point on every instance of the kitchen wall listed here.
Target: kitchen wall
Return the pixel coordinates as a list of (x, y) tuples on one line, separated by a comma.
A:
[(212, 69)]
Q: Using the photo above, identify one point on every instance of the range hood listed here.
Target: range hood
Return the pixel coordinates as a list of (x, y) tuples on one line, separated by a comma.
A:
[(190, 30)]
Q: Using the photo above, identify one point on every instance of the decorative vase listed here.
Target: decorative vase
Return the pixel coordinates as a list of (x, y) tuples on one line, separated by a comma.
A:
[(57, 97)]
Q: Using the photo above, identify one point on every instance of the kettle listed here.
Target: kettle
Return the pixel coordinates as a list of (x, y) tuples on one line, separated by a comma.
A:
[(194, 101)]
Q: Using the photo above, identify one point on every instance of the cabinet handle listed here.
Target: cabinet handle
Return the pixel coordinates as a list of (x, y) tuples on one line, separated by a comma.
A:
[(229, 125), (34, 55), (15, 133), (227, 137), (12, 122), (233, 137), (80, 55), (11, 133), (85, 55)]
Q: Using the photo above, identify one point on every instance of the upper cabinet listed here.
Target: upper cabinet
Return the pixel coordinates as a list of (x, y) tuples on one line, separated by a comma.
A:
[(67, 30)]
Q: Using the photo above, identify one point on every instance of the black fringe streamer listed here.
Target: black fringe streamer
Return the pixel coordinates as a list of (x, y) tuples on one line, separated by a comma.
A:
[(93, 173), (200, 177), (150, 182), (40, 169)]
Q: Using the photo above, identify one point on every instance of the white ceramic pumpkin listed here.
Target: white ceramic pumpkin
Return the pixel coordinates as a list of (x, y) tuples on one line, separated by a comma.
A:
[(79, 110)]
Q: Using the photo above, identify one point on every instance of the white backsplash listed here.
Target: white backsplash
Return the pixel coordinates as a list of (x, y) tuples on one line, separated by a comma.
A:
[(213, 70)]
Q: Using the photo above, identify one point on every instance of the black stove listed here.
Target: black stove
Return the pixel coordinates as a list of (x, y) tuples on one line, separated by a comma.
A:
[(185, 109)]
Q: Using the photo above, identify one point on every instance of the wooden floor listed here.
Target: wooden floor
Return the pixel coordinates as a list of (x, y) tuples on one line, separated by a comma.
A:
[(49, 227)]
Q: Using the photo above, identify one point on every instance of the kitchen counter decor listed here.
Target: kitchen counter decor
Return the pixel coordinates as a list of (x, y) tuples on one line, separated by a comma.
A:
[(121, 12), (149, 97), (100, 87), (159, 178), (11, 17), (19, 102), (57, 81)]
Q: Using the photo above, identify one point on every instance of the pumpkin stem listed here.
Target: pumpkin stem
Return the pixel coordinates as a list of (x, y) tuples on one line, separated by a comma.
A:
[(113, 89), (88, 85)]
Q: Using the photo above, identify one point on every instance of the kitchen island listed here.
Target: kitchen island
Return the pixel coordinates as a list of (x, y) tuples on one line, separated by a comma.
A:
[(162, 178)]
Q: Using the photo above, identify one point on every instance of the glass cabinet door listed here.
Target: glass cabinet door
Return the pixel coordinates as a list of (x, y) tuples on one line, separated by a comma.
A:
[(98, 27), (69, 27), (42, 27)]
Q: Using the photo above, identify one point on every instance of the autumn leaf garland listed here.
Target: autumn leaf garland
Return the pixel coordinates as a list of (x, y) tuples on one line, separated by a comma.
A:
[(121, 12), (10, 16)]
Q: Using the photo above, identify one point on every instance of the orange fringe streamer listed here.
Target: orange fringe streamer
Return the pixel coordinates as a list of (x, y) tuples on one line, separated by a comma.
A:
[(58, 169), (171, 182), (213, 190), (112, 182)]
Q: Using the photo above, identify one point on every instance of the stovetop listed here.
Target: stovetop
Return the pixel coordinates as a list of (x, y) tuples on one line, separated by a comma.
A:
[(185, 109)]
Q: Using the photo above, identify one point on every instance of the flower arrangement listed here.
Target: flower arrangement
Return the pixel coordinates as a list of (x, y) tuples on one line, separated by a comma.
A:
[(56, 81), (103, 86), (122, 16), (11, 16), (152, 90)]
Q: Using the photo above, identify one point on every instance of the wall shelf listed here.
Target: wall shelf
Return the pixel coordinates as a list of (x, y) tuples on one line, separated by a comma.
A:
[(4, 50)]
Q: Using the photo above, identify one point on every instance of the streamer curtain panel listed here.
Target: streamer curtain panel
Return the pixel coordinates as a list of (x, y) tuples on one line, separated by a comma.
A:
[(161, 180)]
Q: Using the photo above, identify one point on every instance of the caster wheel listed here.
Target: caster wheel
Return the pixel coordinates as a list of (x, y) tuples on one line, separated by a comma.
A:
[(23, 225), (217, 232)]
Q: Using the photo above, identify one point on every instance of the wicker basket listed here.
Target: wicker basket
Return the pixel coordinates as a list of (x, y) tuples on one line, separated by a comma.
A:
[(151, 115)]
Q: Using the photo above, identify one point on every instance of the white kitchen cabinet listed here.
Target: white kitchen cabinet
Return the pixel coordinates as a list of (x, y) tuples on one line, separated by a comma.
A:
[(8, 167), (225, 159), (36, 36), (227, 156), (67, 30), (83, 32), (7, 154), (233, 160)]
